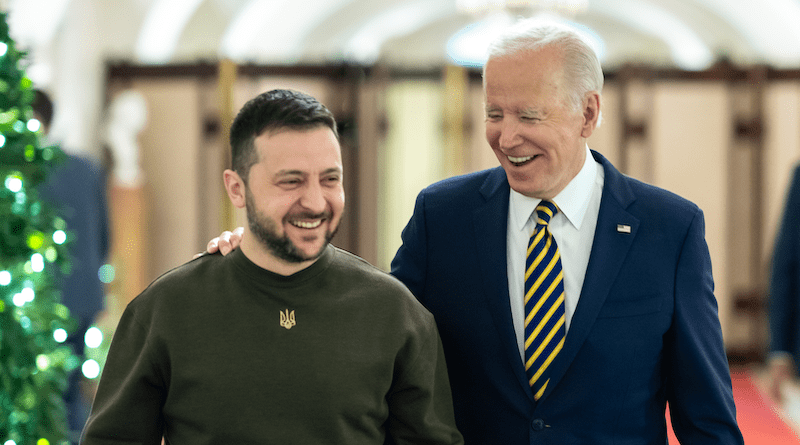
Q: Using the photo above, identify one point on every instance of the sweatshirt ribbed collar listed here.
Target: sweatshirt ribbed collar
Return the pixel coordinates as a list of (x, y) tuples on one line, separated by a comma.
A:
[(265, 276)]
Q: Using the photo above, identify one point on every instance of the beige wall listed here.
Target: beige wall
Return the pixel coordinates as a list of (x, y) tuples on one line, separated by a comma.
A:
[(691, 128), (169, 154), (688, 146), (410, 158)]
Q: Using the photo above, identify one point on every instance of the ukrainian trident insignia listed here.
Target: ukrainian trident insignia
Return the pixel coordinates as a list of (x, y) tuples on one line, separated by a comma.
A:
[(287, 319)]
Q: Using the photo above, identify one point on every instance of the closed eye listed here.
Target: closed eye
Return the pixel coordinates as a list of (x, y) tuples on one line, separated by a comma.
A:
[(289, 183), (331, 180), (530, 118), (494, 116)]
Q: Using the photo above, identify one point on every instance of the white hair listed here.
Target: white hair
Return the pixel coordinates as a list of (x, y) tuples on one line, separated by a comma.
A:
[(581, 65)]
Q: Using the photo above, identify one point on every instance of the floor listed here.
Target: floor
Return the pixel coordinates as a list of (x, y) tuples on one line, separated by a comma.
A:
[(761, 419)]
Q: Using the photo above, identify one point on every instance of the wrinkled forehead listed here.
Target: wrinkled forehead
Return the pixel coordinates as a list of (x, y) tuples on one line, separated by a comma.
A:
[(311, 149), (548, 56), (523, 77)]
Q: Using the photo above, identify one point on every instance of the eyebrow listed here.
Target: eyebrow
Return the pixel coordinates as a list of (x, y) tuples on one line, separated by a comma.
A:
[(332, 170), (529, 109), (302, 173), (532, 111)]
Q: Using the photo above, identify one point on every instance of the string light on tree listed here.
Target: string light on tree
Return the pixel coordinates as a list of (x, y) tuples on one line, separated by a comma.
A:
[(93, 337)]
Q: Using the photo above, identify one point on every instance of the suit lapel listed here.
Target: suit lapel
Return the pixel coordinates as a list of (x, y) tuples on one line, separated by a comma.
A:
[(609, 249), (490, 222)]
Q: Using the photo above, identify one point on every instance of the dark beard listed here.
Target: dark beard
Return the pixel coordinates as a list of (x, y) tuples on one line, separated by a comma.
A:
[(266, 231)]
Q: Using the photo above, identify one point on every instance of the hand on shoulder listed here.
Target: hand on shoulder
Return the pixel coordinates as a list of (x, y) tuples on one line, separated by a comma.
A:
[(225, 243)]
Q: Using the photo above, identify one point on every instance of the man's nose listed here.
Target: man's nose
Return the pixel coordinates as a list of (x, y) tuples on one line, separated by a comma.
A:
[(509, 134), (313, 198)]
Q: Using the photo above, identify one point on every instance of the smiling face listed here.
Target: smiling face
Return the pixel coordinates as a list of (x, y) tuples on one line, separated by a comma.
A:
[(536, 135), (294, 197)]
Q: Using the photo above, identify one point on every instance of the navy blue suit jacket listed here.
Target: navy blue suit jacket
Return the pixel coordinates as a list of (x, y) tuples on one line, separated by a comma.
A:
[(645, 331), (784, 293)]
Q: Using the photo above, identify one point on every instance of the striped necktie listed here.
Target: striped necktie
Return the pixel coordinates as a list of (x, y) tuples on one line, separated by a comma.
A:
[(544, 301)]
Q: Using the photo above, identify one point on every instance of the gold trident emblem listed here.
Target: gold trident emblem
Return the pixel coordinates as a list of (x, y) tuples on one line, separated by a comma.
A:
[(287, 319)]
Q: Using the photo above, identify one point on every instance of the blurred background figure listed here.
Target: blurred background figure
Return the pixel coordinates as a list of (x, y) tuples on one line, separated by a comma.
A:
[(77, 188), (784, 299)]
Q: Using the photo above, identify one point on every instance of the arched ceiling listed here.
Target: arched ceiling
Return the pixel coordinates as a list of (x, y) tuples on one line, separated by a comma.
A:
[(689, 34), (69, 41)]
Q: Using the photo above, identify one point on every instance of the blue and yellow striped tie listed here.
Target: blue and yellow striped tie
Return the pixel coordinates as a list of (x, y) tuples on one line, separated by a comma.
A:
[(544, 301)]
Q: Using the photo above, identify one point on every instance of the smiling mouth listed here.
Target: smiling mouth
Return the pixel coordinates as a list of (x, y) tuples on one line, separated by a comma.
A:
[(518, 161), (306, 224)]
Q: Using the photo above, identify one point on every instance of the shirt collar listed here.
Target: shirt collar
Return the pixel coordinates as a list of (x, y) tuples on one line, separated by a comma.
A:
[(572, 201)]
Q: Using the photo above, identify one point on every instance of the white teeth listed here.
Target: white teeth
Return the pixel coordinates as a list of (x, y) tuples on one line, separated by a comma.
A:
[(519, 160), (307, 225)]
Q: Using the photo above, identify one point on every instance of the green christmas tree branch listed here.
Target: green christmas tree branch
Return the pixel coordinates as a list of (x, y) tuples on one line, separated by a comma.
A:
[(34, 361)]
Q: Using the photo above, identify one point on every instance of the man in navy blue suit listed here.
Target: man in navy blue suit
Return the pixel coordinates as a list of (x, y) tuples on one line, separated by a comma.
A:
[(784, 295), (638, 318)]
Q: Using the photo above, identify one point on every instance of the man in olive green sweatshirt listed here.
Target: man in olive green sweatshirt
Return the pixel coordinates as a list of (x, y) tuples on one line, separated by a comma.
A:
[(288, 340)]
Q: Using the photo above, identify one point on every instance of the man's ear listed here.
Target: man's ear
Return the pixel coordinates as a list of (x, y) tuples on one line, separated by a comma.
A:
[(235, 187), (591, 114)]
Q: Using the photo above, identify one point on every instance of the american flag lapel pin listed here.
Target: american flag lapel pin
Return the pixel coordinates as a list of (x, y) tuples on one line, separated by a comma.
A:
[(623, 228)]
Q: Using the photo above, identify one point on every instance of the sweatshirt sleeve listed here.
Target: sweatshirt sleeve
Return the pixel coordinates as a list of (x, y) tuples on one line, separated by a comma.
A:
[(421, 404), (128, 405)]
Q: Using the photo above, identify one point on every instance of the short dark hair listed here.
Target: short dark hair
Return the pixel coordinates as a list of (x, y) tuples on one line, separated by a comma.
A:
[(271, 111), (43, 107)]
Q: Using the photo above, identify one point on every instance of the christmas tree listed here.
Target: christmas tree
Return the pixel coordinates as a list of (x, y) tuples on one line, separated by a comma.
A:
[(34, 361)]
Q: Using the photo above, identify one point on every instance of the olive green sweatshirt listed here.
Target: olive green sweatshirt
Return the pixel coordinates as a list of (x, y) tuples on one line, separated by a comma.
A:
[(221, 351)]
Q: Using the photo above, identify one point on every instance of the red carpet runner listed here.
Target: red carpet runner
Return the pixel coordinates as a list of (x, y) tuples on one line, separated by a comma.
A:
[(757, 415)]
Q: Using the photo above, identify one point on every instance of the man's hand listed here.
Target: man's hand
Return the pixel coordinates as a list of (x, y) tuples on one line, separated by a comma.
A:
[(225, 242), (779, 371)]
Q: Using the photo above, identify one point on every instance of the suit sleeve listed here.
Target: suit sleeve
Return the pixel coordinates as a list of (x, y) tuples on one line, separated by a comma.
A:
[(783, 291), (410, 261), (420, 403), (128, 406), (699, 386)]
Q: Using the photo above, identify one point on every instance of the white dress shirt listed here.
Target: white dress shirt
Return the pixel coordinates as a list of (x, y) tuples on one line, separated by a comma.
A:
[(573, 229)]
